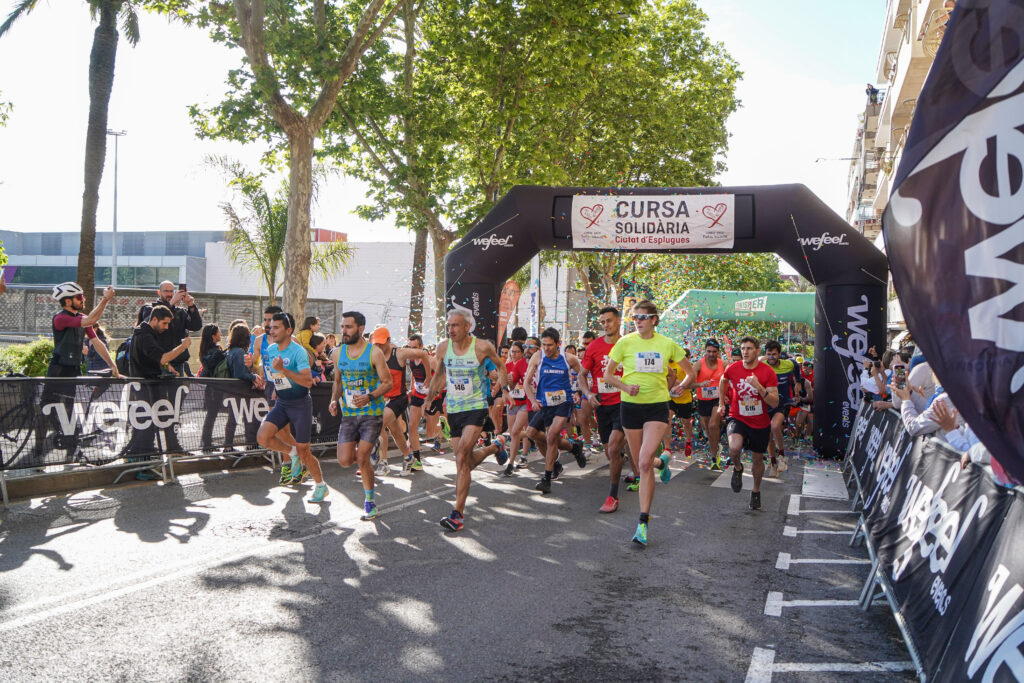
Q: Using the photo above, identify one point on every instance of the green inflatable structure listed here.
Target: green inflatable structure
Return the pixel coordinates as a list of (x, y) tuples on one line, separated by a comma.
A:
[(713, 304)]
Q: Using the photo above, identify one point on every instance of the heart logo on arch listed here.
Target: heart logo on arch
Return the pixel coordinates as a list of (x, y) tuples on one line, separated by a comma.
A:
[(714, 213), (592, 214)]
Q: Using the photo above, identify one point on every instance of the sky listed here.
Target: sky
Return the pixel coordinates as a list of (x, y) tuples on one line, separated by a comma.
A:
[(805, 63)]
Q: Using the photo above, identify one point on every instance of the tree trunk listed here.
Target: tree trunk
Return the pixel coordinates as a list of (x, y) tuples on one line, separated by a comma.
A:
[(101, 82), (296, 245), (441, 241), (419, 277)]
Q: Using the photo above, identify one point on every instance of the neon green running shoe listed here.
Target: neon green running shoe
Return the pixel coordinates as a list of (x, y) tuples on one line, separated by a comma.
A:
[(446, 431), (640, 537), (634, 485), (417, 465), (286, 473), (300, 476)]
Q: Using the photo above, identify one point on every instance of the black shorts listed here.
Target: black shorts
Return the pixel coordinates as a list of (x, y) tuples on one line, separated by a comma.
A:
[(543, 418), (436, 406), (469, 418), (683, 411), (416, 401), (609, 419), (781, 409), (706, 408), (296, 412), (754, 440), (636, 415), (398, 404)]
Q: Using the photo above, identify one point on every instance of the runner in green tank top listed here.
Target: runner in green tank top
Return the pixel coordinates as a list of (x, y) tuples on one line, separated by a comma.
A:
[(460, 364)]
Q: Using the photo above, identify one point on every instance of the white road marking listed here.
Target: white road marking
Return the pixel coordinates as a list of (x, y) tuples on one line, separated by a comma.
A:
[(794, 509), (824, 483), (763, 666), (785, 560), (723, 481), (774, 603), (792, 531)]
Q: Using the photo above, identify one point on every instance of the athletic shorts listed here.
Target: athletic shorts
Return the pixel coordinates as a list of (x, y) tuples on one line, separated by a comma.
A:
[(543, 418), (754, 440), (416, 401), (609, 419), (360, 428), (514, 410), (296, 412), (636, 415), (268, 391), (398, 404), (706, 408), (683, 411), (467, 418), (781, 409), (435, 407)]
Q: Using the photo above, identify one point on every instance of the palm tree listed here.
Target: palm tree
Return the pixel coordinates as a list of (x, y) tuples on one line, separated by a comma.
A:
[(101, 82), (256, 234)]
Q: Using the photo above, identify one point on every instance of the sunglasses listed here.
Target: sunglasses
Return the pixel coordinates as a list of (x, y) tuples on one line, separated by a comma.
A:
[(529, 346), (643, 316)]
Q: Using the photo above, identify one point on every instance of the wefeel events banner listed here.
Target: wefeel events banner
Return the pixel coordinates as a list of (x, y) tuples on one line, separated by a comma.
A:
[(653, 222)]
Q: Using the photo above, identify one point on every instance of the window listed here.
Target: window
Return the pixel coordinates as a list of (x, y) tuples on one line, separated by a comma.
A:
[(133, 244), (177, 244), (50, 244)]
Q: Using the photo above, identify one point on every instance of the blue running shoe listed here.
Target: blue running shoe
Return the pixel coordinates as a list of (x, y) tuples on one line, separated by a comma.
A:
[(664, 472), (640, 537), (453, 522), (502, 455), (319, 493), (369, 511)]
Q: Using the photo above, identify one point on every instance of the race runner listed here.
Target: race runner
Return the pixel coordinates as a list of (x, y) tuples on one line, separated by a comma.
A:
[(605, 399), (461, 367), (787, 373), (397, 397), (754, 393), (804, 428), (709, 375), (552, 399), (646, 377), (291, 376), (681, 406), (421, 374), (518, 403), (361, 381), (291, 471)]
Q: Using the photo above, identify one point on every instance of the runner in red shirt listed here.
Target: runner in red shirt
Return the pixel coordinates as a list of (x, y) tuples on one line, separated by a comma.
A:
[(755, 391), (606, 406), (518, 406)]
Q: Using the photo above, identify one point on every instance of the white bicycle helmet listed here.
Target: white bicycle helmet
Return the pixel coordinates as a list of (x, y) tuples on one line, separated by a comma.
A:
[(66, 289)]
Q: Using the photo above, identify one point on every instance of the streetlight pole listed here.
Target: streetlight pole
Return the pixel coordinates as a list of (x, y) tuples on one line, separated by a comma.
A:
[(113, 241)]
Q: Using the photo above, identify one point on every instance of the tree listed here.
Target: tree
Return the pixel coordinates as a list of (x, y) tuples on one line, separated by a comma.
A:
[(101, 82), (257, 234), (298, 56), (5, 111)]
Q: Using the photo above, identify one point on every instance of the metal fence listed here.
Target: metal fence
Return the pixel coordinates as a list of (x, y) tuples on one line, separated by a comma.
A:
[(28, 311)]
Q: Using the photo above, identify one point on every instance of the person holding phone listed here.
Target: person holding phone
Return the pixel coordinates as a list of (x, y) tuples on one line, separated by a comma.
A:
[(186, 318)]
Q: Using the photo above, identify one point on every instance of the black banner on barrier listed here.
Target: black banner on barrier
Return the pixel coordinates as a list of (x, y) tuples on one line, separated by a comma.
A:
[(96, 421), (932, 524), (988, 640), (874, 431)]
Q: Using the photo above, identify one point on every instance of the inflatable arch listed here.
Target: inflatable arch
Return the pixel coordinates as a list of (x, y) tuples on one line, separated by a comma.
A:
[(849, 273)]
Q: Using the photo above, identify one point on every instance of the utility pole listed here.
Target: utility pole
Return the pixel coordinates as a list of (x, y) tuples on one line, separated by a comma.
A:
[(113, 241)]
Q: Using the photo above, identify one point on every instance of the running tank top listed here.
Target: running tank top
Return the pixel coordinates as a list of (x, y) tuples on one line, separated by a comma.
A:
[(397, 371), (419, 378), (704, 373), (465, 380), (264, 359), (358, 376), (555, 385)]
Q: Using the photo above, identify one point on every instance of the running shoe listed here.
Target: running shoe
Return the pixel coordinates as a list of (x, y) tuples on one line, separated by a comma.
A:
[(755, 500), (771, 472), (664, 473), (783, 463), (716, 464), (286, 473), (300, 476), (544, 486), (577, 452), (557, 470), (688, 449), (453, 522), (382, 467), (634, 485), (374, 458), (610, 505), (319, 493), (640, 537), (522, 462), (437, 447), (629, 479), (501, 455), (407, 466), (509, 470), (446, 431), (737, 479), (417, 465), (369, 511)]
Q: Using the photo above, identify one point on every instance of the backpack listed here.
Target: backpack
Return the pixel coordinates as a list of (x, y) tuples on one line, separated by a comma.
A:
[(215, 364), (122, 355), (222, 369)]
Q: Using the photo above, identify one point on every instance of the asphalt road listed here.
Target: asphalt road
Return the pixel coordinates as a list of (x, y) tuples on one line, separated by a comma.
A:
[(231, 577)]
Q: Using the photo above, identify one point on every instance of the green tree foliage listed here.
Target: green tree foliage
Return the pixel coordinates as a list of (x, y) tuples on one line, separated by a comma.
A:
[(5, 111), (257, 232), (298, 56), (30, 359)]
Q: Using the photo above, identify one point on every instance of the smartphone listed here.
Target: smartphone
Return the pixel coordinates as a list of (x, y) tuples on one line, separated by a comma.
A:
[(878, 363), (182, 287), (900, 375)]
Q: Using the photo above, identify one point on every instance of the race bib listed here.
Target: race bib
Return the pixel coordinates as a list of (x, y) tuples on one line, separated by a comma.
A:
[(605, 388), (709, 393), (518, 392), (351, 391), (460, 388), (554, 398), (649, 361), (420, 388), (280, 381), (751, 407)]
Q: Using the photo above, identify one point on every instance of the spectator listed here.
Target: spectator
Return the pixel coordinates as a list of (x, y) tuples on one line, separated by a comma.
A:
[(960, 436), (883, 375), (310, 326), (317, 344), (238, 346), (919, 374), (235, 323), (150, 360), (210, 353), (925, 421), (94, 363), (872, 93), (517, 334), (183, 320)]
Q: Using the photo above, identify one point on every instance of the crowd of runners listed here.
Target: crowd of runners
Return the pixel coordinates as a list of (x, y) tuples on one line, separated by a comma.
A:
[(613, 394)]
